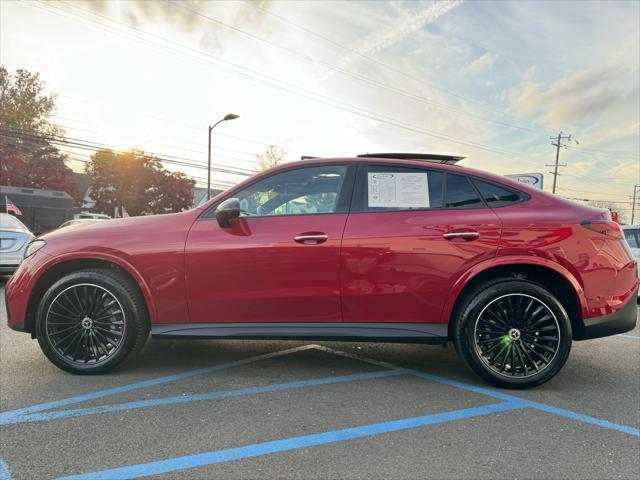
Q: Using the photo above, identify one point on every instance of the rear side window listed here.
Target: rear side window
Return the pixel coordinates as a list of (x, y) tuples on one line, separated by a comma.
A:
[(494, 195), (392, 188), (460, 193)]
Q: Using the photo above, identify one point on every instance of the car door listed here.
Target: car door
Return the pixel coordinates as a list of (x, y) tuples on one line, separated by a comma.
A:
[(411, 233), (278, 262)]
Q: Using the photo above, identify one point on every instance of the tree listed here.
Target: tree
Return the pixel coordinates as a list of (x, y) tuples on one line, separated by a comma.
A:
[(271, 157), (29, 159), (138, 182)]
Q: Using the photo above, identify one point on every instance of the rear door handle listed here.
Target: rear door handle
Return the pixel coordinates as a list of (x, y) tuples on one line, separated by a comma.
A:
[(311, 239), (466, 235)]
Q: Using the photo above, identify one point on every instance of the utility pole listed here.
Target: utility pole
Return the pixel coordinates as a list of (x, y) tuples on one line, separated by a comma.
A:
[(633, 203), (557, 144)]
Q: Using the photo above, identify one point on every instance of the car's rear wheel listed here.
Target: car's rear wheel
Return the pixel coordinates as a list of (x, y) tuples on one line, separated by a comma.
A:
[(513, 333), (90, 321)]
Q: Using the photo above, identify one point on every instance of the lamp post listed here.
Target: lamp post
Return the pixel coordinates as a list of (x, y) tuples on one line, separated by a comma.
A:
[(228, 116)]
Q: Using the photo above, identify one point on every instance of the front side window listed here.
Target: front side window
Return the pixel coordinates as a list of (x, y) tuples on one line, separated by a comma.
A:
[(302, 191), (460, 193)]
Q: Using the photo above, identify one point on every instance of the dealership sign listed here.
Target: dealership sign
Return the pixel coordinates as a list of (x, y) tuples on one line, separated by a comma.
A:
[(531, 179)]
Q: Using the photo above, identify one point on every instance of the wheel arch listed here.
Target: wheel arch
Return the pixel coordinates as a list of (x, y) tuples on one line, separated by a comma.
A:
[(62, 266), (551, 276)]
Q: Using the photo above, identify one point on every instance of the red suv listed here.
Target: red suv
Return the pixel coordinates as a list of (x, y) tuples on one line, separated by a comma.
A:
[(385, 247)]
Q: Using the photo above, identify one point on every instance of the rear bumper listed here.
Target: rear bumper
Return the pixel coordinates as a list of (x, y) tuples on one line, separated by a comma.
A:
[(620, 321)]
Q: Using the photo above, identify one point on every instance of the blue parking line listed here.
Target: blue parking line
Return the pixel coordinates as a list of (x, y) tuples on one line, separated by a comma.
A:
[(539, 406), (5, 473), (44, 416), (502, 396), (288, 444), (628, 336), (10, 415)]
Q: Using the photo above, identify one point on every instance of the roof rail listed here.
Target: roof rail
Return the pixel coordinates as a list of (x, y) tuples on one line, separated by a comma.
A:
[(425, 157)]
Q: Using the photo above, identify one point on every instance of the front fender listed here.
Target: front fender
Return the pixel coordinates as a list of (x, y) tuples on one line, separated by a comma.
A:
[(464, 279), (21, 286), (117, 260)]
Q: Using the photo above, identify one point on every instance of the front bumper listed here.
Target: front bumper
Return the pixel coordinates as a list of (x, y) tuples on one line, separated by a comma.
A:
[(621, 321)]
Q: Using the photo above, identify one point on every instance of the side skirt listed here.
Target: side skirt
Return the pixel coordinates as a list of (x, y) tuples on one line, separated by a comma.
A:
[(432, 333)]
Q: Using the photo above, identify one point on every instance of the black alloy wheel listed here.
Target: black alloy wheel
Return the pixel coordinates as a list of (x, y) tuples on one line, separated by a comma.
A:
[(512, 332), (85, 323), (90, 321), (517, 335)]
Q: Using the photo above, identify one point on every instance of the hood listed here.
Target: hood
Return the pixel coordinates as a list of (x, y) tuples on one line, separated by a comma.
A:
[(122, 234)]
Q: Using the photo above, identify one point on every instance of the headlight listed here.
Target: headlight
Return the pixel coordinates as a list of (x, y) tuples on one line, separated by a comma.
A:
[(33, 247)]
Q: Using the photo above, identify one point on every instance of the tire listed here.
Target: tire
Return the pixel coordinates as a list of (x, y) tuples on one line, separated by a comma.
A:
[(90, 321), (512, 333)]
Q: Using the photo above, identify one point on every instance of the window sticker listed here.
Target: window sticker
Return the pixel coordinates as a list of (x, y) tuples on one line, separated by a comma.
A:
[(398, 190)]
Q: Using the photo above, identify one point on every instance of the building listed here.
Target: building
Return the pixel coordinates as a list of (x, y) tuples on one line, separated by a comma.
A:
[(42, 210)]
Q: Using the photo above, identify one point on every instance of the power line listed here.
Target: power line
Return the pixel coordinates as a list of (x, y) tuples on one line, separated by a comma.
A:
[(382, 64), (590, 191), (273, 82), (361, 78), (93, 146)]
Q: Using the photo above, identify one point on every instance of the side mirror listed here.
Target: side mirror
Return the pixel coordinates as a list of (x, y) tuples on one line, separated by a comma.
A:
[(227, 211)]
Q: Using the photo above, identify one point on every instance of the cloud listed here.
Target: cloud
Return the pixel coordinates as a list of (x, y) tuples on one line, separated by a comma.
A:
[(403, 27), (575, 98), (481, 64), (187, 15)]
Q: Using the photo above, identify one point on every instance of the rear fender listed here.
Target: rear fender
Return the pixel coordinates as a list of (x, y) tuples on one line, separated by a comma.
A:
[(471, 273)]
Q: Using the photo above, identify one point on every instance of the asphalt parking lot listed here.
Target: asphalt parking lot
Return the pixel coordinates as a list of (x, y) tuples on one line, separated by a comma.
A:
[(250, 409)]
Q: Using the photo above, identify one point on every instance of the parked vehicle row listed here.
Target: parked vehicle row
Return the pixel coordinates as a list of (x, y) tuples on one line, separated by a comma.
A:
[(385, 247)]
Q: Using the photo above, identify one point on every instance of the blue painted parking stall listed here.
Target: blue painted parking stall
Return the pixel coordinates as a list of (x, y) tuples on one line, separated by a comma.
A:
[(501, 402)]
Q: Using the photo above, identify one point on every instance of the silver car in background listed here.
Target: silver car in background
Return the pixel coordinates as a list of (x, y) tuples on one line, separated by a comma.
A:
[(632, 236), (14, 238)]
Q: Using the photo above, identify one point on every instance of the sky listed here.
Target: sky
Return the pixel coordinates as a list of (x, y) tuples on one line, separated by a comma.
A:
[(487, 80)]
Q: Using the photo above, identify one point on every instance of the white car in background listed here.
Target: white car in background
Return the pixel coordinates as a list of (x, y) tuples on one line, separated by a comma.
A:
[(14, 238), (632, 236)]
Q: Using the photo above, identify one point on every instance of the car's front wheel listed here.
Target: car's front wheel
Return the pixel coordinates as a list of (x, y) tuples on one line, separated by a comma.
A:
[(90, 321), (513, 333)]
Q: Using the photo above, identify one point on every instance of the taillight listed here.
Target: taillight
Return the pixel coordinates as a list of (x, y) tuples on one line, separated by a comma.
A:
[(604, 227)]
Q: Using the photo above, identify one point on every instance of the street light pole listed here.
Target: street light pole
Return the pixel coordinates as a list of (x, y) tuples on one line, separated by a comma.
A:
[(229, 116)]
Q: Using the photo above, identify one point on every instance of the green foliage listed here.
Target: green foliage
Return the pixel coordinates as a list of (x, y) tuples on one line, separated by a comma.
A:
[(138, 182)]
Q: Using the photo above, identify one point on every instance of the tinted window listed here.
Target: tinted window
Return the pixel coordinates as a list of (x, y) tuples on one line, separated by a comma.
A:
[(460, 193), (633, 237), (401, 188), (301, 191), (494, 195)]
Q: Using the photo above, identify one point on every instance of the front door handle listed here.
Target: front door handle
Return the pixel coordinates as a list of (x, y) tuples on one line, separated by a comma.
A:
[(311, 239), (465, 235)]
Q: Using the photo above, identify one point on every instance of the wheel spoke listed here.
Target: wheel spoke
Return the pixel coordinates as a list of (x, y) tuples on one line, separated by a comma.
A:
[(79, 304), (73, 319), (63, 330), (60, 304), (114, 332)]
